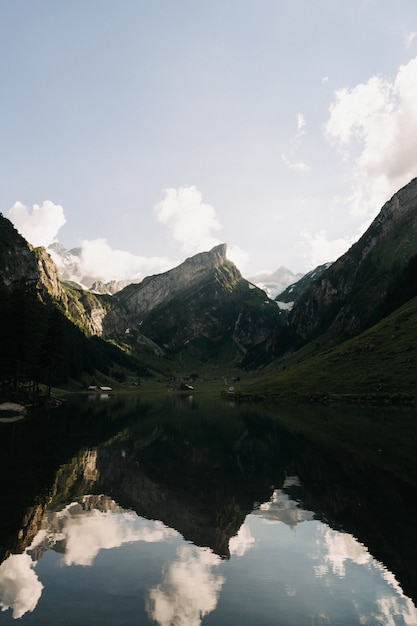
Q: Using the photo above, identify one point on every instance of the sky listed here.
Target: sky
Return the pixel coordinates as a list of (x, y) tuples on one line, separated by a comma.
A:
[(146, 131)]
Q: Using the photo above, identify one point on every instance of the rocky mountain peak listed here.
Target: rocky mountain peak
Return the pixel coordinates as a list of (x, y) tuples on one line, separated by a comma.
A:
[(140, 299), (210, 260)]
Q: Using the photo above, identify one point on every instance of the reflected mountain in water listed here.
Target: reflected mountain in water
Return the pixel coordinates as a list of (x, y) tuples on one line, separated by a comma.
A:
[(191, 582), (198, 467)]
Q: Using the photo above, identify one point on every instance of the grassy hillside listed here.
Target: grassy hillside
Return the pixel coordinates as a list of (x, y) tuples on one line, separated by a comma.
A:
[(379, 365)]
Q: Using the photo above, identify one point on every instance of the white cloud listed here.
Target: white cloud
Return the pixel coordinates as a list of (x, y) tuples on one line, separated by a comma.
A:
[(337, 550), (190, 220), (290, 156), (86, 534), (189, 591), (98, 259), (374, 125), (39, 227), (242, 542), (340, 548), (318, 249), (20, 588)]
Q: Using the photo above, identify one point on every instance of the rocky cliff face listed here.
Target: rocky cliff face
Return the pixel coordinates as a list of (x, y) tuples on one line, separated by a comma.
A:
[(204, 297), (48, 279), (17, 261), (136, 302), (348, 296)]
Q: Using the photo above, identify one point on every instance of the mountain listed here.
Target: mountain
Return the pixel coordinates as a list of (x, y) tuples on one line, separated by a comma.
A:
[(203, 310), (376, 366), (204, 300), (372, 278), (49, 332), (275, 282), (204, 307), (69, 265), (296, 289)]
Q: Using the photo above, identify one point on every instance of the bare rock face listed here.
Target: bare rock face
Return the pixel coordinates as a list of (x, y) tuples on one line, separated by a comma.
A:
[(17, 260), (155, 289), (48, 275), (138, 301), (20, 261)]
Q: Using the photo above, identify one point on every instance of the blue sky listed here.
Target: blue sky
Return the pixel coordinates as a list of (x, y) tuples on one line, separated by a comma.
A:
[(147, 131)]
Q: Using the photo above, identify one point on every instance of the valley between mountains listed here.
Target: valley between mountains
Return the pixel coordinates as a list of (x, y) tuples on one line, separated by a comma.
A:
[(346, 331)]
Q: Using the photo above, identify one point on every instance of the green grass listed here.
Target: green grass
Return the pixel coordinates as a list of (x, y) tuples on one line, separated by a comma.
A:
[(379, 363)]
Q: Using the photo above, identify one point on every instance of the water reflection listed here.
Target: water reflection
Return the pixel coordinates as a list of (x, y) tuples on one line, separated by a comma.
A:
[(82, 529), (20, 588), (315, 572), (189, 590), (201, 514)]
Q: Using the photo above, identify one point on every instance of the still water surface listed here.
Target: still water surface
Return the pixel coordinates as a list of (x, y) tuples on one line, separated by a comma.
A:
[(182, 511)]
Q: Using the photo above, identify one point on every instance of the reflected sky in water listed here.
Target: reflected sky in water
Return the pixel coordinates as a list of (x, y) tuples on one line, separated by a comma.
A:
[(94, 557)]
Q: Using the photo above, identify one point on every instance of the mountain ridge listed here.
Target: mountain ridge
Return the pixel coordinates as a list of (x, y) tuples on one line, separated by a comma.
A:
[(204, 307), (348, 295)]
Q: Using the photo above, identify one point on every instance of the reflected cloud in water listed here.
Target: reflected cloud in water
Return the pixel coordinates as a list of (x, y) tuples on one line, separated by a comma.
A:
[(282, 508), (20, 588), (190, 588), (80, 532), (340, 553), (322, 566), (84, 535), (242, 542)]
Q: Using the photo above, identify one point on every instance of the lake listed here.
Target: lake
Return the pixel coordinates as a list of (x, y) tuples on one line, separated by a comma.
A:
[(185, 510)]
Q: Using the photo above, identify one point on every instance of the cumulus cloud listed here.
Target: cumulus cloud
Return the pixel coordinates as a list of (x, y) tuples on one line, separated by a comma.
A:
[(189, 591), (86, 534), (374, 124), (289, 157), (98, 259), (39, 226), (20, 588), (190, 221)]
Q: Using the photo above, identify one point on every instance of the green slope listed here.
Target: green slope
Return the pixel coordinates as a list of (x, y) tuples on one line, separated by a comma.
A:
[(377, 366)]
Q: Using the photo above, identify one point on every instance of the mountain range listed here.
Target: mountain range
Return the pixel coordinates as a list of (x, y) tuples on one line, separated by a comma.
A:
[(70, 268), (202, 312)]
